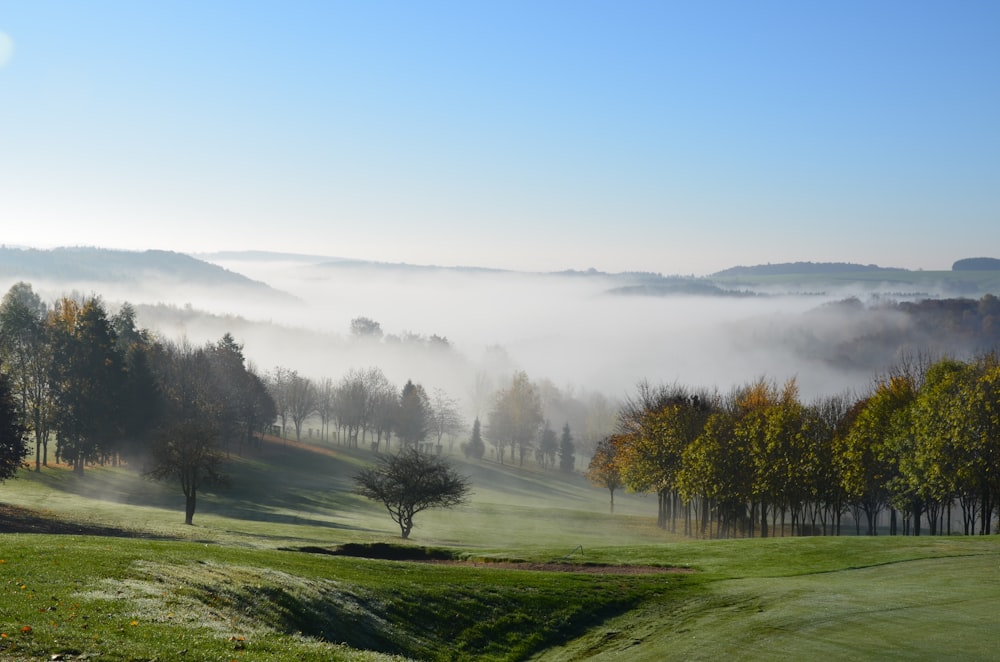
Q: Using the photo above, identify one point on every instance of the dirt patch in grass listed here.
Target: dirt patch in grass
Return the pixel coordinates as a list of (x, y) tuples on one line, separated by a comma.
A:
[(382, 551), (387, 552), (590, 568), (15, 519)]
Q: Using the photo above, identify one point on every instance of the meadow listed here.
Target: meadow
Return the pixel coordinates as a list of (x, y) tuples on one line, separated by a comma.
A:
[(533, 567)]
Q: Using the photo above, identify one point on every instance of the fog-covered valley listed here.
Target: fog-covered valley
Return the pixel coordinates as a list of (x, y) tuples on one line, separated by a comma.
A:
[(466, 330)]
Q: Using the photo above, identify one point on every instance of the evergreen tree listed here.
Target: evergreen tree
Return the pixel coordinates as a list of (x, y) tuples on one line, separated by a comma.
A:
[(13, 442), (475, 448), (567, 460), (413, 423), (548, 447)]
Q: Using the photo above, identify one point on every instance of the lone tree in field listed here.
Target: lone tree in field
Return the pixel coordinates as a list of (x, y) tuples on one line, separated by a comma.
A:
[(13, 444), (604, 470), (409, 482), (188, 452)]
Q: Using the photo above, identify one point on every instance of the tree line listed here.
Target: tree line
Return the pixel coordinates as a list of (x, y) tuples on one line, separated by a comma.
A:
[(364, 406), (924, 441), (106, 391), (89, 386)]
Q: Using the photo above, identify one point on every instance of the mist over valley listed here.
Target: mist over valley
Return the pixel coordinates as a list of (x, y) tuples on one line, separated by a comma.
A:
[(466, 330)]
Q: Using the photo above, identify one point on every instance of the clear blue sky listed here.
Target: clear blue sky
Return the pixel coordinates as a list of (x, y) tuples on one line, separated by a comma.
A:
[(678, 137)]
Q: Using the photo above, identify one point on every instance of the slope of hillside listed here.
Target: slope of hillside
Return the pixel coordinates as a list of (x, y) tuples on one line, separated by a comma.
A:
[(84, 267)]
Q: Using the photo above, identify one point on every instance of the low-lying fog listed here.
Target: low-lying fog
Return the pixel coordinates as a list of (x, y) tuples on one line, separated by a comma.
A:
[(565, 329)]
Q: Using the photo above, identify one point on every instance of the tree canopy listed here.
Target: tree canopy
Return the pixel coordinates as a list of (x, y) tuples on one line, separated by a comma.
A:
[(410, 482)]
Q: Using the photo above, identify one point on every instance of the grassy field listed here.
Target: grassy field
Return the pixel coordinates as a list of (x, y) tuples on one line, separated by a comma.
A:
[(125, 580)]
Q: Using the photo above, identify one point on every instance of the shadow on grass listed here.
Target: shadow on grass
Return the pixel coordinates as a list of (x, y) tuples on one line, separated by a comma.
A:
[(276, 484), (14, 519)]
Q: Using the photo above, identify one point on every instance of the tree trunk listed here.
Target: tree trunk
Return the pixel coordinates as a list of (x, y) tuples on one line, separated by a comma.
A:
[(189, 504), (705, 514)]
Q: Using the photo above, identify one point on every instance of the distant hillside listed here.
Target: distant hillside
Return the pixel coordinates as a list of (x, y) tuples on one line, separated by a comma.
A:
[(262, 256), (73, 266), (678, 287), (799, 268), (977, 264)]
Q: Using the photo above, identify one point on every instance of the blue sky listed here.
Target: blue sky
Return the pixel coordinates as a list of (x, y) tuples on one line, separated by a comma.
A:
[(677, 137)]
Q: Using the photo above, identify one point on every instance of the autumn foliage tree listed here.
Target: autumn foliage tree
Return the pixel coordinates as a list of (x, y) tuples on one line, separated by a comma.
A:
[(604, 470), (87, 377), (515, 418)]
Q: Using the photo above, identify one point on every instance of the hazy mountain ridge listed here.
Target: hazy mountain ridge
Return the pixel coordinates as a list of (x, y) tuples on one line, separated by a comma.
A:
[(83, 266), (795, 268), (567, 327), (977, 264)]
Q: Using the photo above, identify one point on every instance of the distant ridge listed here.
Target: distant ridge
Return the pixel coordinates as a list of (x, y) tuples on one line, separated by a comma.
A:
[(798, 268), (97, 265), (977, 264)]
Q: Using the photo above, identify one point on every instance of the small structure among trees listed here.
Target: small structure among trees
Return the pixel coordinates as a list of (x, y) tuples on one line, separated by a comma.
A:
[(410, 482)]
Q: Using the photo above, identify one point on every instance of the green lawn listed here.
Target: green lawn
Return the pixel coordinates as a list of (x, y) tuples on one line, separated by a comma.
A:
[(228, 588)]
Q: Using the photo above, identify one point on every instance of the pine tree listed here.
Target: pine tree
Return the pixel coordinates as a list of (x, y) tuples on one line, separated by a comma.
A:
[(475, 448), (13, 441), (567, 461)]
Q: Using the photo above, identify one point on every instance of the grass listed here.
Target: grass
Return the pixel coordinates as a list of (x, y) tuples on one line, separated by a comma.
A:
[(227, 588)]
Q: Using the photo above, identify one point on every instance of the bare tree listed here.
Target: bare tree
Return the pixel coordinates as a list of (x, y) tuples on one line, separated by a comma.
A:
[(302, 401), (278, 381), (352, 405), (188, 452), (325, 400), (410, 482), (446, 419), (383, 407)]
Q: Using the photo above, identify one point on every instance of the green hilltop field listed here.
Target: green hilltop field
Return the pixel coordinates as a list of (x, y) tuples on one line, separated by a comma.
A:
[(100, 567)]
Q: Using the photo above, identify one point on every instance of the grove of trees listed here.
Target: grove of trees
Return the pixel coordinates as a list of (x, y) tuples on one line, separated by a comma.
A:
[(924, 442), (918, 452), (109, 392)]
